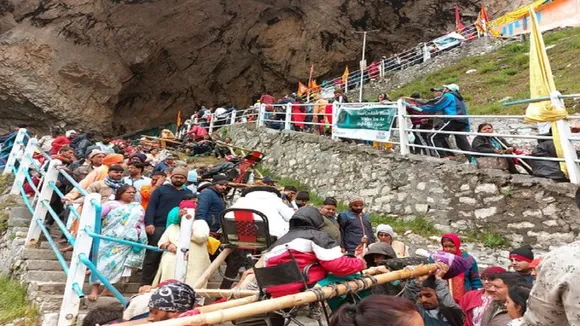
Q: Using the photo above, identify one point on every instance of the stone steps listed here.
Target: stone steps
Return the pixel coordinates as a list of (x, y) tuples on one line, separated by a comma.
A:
[(40, 270)]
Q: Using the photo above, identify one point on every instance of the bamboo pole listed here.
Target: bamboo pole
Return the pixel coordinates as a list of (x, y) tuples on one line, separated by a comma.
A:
[(204, 278), (262, 307), (228, 304), (223, 293)]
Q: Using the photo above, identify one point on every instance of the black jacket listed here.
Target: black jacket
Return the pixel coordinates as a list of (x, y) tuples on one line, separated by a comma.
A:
[(482, 144), (546, 169), (163, 200)]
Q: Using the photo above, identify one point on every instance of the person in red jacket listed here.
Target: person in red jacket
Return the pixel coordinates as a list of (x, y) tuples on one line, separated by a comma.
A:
[(298, 116), (59, 141), (475, 302), (310, 245)]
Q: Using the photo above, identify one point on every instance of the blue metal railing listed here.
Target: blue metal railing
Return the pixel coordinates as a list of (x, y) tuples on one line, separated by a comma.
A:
[(53, 246), (25, 198), (60, 223), (83, 258)]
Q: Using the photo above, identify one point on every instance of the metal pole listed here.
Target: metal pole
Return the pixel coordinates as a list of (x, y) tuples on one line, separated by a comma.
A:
[(360, 93), (25, 163), (401, 120), (71, 302), (17, 147), (40, 210), (261, 113), (287, 123)]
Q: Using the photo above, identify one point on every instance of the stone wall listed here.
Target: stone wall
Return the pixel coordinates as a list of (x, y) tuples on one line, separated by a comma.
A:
[(457, 197)]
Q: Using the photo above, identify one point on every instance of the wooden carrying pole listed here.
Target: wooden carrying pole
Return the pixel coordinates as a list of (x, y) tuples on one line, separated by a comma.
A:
[(227, 304), (222, 293), (262, 307), (204, 278)]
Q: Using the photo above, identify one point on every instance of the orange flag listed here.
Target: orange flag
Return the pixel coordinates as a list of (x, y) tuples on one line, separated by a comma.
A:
[(345, 75), (302, 89), (313, 85), (482, 21), (178, 119)]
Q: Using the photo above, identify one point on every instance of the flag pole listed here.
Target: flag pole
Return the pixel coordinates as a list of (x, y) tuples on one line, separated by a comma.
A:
[(309, 83)]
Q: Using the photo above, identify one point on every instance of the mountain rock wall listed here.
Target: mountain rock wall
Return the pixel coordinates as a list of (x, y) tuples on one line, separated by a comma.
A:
[(121, 65)]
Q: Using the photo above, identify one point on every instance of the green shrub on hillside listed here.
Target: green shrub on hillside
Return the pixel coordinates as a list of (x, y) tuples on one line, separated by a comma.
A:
[(13, 304)]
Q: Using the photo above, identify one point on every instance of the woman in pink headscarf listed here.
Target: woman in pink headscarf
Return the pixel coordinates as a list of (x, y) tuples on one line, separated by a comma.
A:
[(464, 282)]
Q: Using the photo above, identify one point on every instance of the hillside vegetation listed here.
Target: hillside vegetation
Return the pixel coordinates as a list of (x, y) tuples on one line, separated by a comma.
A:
[(504, 73)]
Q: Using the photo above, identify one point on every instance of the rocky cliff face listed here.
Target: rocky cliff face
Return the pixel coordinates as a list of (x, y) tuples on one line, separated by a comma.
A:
[(117, 65)]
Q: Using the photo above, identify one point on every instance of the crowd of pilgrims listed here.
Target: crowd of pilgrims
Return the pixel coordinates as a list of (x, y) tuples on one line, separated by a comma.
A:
[(145, 194)]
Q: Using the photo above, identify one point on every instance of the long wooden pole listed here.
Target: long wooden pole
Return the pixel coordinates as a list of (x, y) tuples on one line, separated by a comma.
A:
[(212, 268), (262, 307), (228, 304), (223, 293)]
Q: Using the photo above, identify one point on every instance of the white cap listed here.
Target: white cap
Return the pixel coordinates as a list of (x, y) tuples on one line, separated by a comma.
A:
[(452, 87), (385, 228)]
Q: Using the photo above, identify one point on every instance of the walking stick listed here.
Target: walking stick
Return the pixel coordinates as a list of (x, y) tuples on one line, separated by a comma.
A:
[(521, 161)]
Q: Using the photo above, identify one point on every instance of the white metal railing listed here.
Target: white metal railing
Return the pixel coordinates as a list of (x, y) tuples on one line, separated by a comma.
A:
[(301, 117), (86, 243), (421, 53)]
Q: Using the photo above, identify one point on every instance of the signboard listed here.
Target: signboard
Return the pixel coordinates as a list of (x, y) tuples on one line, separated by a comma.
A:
[(372, 123)]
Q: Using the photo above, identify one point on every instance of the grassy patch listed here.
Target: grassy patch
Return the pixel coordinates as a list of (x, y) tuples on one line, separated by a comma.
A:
[(13, 304), (315, 199), (6, 181), (500, 74), (488, 238), (419, 225)]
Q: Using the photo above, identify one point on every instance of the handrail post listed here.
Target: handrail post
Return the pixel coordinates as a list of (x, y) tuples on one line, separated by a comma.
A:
[(261, 113), (565, 133), (25, 163), (233, 117), (40, 210), (402, 123), (211, 123), (287, 122), (335, 107), (71, 302), (17, 148)]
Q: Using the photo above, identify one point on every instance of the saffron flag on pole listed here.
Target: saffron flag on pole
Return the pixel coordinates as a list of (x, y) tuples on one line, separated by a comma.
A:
[(345, 75), (459, 27), (542, 84), (313, 85), (302, 89), (482, 21), (178, 119)]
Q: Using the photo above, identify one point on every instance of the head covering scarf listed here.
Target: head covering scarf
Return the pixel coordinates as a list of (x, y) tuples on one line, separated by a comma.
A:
[(112, 159), (175, 218), (455, 239), (458, 282), (173, 297)]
